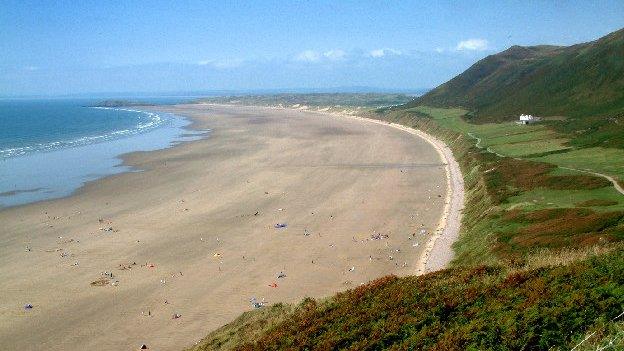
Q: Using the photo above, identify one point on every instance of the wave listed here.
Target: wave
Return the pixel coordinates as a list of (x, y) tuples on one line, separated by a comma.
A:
[(151, 121)]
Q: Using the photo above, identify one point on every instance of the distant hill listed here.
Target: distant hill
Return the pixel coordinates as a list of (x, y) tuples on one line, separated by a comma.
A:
[(364, 100), (120, 103), (579, 80)]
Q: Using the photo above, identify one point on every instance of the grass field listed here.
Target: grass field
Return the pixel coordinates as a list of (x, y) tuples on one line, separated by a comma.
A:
[(538, 204), (603, 160), (549, 198), (537, 142), (507, 138)]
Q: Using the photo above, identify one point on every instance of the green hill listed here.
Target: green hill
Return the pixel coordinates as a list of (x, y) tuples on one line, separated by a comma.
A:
[(575, 81)]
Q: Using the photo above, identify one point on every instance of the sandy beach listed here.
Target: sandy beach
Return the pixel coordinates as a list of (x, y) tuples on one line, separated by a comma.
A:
[(193, 235)]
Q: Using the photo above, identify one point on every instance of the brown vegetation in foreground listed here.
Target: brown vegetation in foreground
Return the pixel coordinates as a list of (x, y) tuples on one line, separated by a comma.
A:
[(481, 308)]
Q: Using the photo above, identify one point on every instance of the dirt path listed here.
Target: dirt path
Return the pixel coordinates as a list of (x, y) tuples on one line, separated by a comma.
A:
[(616, 185)]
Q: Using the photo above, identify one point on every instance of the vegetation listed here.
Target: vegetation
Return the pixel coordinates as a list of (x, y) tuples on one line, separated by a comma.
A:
[(597, 159), (120, 103), (325, 100), (576, 81), (609, 336), (246, 328), (540, 259), (540, 149), (596, 202), (543, 291), (594, 131), (481, 308)]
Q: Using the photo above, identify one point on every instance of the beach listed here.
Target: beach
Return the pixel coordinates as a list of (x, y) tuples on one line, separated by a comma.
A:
[(275, 204)]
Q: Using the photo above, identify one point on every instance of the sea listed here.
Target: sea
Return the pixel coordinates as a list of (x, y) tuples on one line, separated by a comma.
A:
[(50, 147)]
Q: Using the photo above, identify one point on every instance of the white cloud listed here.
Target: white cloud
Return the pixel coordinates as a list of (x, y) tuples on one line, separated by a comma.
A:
[(315, 56), (439, 50), (335, 55), (221, 64), (383, 52), (472, 44), (308, 56)]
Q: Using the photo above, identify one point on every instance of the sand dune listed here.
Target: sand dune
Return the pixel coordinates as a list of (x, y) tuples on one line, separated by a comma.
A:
[(193, 234)]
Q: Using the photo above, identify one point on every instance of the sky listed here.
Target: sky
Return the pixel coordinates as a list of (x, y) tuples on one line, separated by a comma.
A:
[(80, 47)]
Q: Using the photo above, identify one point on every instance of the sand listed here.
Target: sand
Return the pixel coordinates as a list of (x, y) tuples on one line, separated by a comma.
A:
[(199, 224), (438, 251)]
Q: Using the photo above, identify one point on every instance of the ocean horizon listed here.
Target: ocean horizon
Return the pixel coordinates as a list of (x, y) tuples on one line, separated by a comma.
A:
[(51, 147)]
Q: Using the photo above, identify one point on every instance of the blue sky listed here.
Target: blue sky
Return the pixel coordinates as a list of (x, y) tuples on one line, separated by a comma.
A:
[(57, 47)]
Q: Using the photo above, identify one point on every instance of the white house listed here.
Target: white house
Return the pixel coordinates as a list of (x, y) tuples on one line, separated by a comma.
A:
[(527, 119)]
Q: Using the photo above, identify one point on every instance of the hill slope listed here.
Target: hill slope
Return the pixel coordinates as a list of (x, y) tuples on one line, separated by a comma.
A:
[(461, 309), (580, 80)]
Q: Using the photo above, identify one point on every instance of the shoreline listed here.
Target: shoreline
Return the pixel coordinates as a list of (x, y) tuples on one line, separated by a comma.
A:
[(438, 252), (198, 221), (110, 160)]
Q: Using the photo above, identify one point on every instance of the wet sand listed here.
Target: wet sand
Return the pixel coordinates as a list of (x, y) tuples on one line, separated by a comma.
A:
[(199, 224)]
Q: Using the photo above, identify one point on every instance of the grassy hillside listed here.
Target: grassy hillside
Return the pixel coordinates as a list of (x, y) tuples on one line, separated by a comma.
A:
[(517, 205), (577, 81), (483, 308)]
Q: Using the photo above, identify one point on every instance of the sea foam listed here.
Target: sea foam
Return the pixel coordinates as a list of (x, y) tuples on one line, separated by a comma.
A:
[(147, 121)]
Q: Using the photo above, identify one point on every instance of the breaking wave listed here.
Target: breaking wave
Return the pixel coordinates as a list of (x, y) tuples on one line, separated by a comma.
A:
[(147, 121)]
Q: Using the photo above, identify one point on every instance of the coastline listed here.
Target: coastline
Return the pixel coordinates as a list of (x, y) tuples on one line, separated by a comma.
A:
[(60, 173), (191, 213), (438, 252)]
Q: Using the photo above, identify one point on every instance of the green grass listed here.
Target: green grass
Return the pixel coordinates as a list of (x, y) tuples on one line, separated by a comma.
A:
[(246, 328), (517, 134), (549, 198), (603, 160), (510, 139), (506, 138), (515, 140), (529, 148), (449, 118), (580, 81)]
